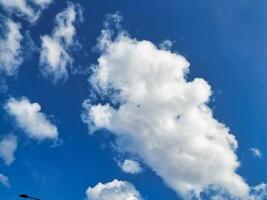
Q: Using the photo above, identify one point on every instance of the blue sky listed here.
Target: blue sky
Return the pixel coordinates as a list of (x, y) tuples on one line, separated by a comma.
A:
[(224, 42)]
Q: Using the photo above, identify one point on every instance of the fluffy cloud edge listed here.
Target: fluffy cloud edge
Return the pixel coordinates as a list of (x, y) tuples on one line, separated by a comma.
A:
[(114, 190)]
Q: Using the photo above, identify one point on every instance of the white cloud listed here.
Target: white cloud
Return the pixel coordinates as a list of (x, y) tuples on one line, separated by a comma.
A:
[(259, 192), (30, 118), (8, 146), (54, 58), (130, 166), (256, 152), (115, 190), (42, 3), (163, 118), (10, 48), (31, 10), (4, 180)]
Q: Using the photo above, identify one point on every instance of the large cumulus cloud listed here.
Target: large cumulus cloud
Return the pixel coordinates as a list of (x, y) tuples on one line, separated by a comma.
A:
[(163, 118)]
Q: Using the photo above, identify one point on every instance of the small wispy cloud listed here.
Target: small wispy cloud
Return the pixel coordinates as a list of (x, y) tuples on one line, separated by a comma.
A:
[(8, 146), (30, 10), (4, 180), (10, 48), (54, 58), (130, 166), (256, 152)]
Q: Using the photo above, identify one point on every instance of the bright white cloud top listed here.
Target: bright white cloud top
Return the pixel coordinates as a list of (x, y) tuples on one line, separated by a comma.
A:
[(10, 48), (8, 146), (54, 58), (115, 190), (163, 118), (130, 166), (29, 117), (30, 10), (4, 181)]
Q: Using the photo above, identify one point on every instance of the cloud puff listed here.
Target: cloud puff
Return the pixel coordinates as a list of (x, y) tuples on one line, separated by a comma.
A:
[(31, 10), (8, 146), (130, 166), (29, 117), (4, 180), (10, 48), (162, 117), (54, 57), (256, 152), (115, 190)]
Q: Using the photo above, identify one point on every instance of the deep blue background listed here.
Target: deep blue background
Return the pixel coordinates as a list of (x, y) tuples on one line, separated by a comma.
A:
[(225, 42)]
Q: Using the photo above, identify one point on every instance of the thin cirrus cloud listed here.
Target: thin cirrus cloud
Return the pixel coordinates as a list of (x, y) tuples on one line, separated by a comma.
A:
[(28, 116), (130, 166), (114, 190), (163, 118), (29, 10), (54, 56), (4, 180), (10, 48), (8, 146)]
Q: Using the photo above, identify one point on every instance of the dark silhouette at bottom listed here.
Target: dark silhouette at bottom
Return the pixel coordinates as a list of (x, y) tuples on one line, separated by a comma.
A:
[(25, 196)]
